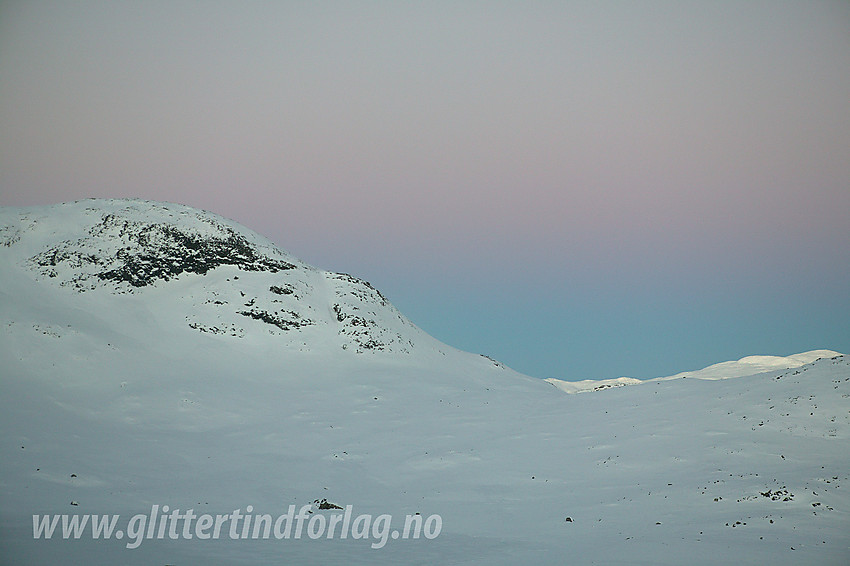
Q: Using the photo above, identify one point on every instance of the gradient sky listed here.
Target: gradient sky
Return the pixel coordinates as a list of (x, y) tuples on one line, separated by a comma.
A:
[(578, 189)]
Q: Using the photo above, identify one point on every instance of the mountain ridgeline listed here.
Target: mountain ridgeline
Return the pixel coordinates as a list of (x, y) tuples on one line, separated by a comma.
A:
[(225, 279)]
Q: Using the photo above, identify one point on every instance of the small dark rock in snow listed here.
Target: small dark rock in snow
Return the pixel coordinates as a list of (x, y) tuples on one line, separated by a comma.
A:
[(324, 504)]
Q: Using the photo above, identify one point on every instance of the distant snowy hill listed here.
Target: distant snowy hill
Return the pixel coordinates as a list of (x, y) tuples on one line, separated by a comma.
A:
[(155, 355), (750, 365)]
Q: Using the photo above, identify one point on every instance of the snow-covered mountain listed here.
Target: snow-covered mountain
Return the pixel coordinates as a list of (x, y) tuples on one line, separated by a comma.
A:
[(220, 277), (152, 354)]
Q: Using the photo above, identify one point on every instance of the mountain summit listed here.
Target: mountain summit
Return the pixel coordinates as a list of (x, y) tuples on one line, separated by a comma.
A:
[(221, 278)]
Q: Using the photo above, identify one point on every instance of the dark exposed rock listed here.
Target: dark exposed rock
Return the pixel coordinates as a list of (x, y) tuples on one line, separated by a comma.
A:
[(325, 504), (294, 320), (152, 252), (282, 289)]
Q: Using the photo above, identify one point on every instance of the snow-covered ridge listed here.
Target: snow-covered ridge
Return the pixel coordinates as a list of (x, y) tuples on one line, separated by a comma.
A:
[(225, 279), (586, 385), (752, 365), (749, 365)]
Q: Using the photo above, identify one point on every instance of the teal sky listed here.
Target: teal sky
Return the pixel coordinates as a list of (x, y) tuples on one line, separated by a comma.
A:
[(578, 189)]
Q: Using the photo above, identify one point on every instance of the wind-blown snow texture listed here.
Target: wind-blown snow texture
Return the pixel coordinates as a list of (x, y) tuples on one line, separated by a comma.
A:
[(156, 354)]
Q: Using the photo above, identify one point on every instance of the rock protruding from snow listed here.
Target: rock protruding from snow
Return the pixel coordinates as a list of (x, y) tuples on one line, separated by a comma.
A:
[(126, 251)]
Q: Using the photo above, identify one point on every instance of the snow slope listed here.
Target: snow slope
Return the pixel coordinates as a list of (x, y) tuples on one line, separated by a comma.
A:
[(750, 365), (153, 354)]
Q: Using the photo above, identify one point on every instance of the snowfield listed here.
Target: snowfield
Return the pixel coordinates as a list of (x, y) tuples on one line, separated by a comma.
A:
[(152, 354)]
